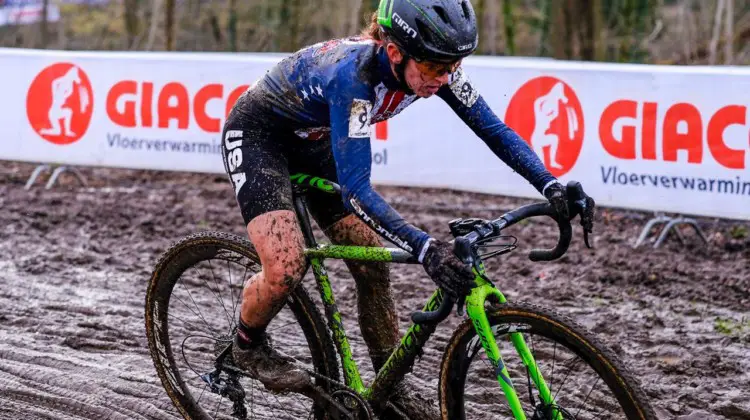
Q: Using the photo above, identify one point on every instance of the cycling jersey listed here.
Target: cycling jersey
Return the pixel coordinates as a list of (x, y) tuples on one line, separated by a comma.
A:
[(339, 88)]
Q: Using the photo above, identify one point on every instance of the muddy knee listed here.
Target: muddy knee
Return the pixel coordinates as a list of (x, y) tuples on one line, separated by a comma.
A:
[(284, 272)]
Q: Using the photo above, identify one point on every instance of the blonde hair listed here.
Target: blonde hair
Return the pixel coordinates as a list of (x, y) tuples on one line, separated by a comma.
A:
[(373, 31)]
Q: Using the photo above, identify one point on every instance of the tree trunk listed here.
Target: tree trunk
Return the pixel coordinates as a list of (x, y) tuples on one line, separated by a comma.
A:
[(232, 25), (510, 27), (355, 18), (562, 29), (729, 33), (44, 22), (155, 15), (544, 29), (130, 14), (589, 28), (714, 45), (169, 25)]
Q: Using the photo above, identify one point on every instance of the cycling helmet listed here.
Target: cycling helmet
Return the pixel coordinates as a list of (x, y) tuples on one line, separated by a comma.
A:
[(433, 30)]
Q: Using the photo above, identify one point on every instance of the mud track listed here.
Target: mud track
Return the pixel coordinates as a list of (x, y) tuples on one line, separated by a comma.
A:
[(74, 263)]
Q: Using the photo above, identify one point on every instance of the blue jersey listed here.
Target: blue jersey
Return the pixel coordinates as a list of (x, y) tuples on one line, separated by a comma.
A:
[(339, 88)]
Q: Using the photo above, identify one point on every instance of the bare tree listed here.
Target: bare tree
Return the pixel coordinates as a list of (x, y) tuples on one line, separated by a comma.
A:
[(510, 27), (155, 16), (729, 33), (44, 23), (232, 25), (716, 32), (130, 14), (169, 25)]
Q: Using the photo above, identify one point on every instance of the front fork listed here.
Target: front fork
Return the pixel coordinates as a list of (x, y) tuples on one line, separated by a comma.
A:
[(475, 309)]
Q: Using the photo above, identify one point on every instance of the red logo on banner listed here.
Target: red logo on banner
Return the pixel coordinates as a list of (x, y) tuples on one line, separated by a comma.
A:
[(546, 112), (59, 103)]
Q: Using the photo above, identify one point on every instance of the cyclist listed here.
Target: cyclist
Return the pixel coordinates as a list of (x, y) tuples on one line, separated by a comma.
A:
[(312, 113)]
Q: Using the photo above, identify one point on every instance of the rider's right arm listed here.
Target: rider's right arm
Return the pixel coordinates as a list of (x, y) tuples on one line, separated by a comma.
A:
[(350, 141)]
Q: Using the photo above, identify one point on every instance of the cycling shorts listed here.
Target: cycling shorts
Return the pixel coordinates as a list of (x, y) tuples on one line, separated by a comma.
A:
[(259, 157)]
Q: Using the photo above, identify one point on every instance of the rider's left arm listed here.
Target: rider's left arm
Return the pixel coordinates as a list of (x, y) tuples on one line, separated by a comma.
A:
[(469, 105)]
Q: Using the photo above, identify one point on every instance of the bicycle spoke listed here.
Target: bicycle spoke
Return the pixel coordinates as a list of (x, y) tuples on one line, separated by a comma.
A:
[(554, 398), (199, 314), (587, 396), (218, 299), (172, 315)]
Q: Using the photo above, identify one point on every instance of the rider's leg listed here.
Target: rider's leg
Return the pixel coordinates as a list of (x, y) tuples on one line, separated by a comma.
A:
[(376, 310), (277, 239), (255, 160)]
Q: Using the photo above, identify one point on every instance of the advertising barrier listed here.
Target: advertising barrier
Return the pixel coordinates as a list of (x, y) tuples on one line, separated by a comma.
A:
[(661, 138)]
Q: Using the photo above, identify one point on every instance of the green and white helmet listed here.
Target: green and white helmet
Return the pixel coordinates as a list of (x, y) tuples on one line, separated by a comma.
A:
[(433, 30)]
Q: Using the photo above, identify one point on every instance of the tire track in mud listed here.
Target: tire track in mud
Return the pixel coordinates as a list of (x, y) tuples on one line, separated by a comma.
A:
[(74, 263)]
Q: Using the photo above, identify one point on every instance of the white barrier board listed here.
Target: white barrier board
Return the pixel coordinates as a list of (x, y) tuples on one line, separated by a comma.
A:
[(659, 138)]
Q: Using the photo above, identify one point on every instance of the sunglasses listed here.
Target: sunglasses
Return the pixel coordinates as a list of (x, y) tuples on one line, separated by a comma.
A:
[(435, 70)]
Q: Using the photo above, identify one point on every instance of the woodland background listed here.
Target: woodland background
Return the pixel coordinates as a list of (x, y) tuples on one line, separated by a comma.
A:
[(681, 32)]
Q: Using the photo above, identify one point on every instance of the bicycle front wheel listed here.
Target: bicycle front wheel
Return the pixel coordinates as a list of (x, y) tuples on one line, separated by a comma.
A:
[(192, 307), (586, 380)]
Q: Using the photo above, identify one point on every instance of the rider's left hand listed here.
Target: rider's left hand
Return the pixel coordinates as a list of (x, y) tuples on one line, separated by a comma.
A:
[(556, 195), (568, 203)]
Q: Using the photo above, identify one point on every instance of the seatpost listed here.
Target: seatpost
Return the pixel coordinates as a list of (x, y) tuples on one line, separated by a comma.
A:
[(304, 219)]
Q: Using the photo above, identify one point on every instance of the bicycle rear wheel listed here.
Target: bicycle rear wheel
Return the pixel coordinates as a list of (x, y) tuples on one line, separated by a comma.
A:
[(586, 380), (192, 306)]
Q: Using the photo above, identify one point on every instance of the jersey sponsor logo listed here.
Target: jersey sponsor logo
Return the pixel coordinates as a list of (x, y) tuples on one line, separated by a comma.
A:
[(463, 89), (389, 102), (59, 103), (547, 113), (379, 229), (359, 119)]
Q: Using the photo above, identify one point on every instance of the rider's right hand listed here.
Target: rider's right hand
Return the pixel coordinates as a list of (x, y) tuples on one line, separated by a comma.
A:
[(447, 270)]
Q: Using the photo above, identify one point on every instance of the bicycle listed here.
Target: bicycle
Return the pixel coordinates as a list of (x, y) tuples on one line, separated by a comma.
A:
[(320, 346)]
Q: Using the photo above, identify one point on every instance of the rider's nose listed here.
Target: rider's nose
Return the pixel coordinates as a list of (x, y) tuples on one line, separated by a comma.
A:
[(443, 79)]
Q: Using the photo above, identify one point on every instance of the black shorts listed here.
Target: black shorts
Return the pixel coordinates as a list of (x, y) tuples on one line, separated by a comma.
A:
[(259, 157)]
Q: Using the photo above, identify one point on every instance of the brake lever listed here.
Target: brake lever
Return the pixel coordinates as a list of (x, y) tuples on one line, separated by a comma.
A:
[(584, 205), (587, 206)]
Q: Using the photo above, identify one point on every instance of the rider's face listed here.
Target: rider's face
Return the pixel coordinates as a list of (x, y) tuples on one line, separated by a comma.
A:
[(424, 77)]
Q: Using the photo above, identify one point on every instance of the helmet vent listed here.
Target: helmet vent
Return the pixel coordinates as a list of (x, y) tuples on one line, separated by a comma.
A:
[(426, 33), (441, 12), (465, 6)]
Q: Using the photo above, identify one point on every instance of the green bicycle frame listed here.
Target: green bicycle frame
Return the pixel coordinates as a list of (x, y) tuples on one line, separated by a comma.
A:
[(402, 358)]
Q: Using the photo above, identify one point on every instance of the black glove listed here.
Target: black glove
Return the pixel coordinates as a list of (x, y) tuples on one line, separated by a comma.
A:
[(447, 271), (556, 195), (576, 202)]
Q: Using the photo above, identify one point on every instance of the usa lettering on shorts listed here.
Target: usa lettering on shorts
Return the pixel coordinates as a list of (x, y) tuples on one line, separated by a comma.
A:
[(233, 159)]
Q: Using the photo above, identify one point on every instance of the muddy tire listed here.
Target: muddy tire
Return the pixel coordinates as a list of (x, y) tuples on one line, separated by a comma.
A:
[(546, 324), (189, 252)]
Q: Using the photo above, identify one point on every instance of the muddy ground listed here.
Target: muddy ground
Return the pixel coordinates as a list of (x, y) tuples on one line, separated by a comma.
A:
[(74, 263)]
